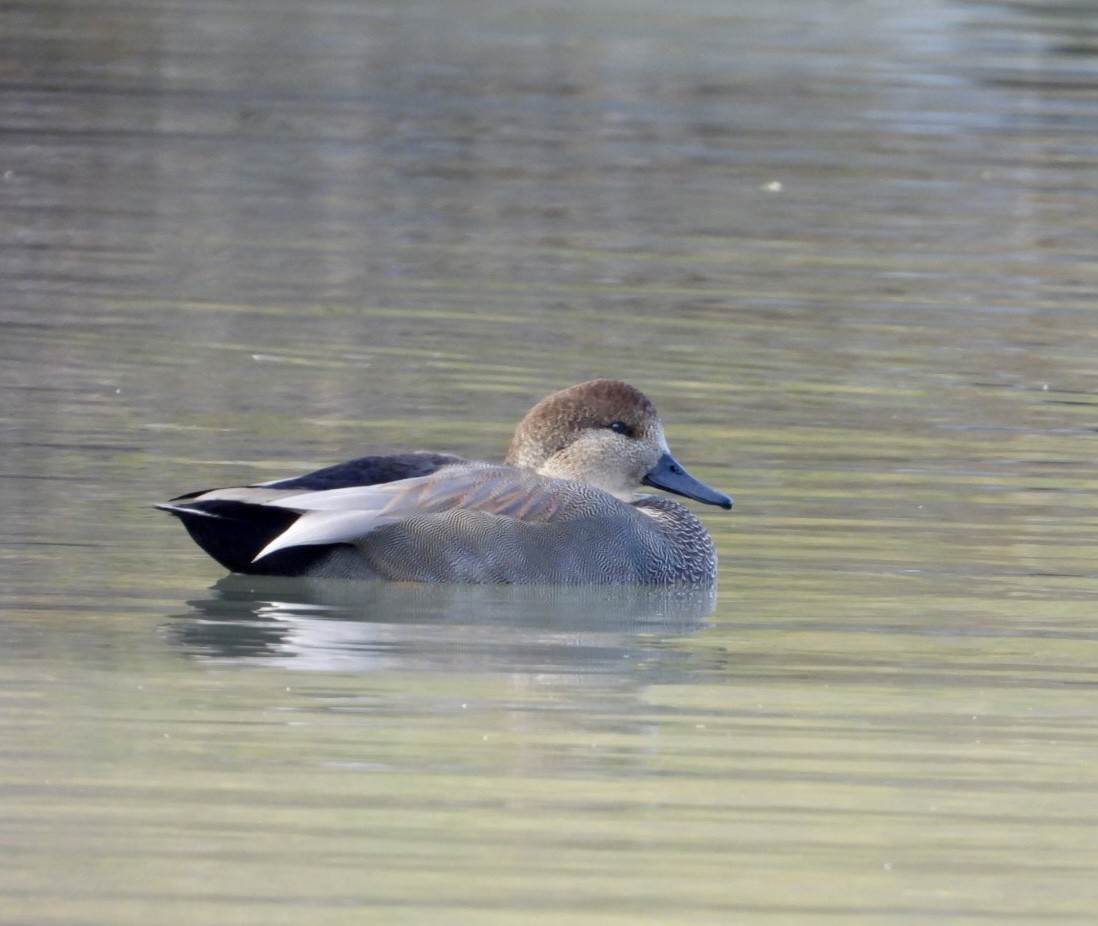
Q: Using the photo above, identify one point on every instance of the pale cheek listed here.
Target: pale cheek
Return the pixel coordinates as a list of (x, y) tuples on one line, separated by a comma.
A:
[(644, 459)]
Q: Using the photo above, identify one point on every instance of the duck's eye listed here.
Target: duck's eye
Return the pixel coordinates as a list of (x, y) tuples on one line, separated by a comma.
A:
[(620, 427)]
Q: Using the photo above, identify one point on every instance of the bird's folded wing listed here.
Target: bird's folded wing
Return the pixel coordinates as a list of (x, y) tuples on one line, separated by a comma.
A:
[(348, 514)]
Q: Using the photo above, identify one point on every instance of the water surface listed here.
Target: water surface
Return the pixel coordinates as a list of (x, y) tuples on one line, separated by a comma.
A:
[(848, 251)]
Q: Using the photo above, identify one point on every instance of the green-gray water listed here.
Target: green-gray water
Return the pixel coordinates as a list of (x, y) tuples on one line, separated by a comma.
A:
[(848, 250)]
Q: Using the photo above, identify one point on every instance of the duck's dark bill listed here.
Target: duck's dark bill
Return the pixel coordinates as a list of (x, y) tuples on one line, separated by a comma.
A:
[(668, 475)]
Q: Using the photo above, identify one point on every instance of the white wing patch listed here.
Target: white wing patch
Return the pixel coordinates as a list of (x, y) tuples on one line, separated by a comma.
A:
[(336, 515), (322, 527)]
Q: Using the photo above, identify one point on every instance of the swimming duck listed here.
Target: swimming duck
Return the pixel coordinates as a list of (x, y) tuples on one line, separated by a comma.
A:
[(562, 509)]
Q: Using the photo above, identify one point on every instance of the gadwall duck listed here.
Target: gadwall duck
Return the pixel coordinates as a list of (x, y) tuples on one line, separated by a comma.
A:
[(562, 509)]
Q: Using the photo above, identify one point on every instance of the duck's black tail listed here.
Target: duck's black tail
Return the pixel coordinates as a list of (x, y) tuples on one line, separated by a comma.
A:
[(234, 532)]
